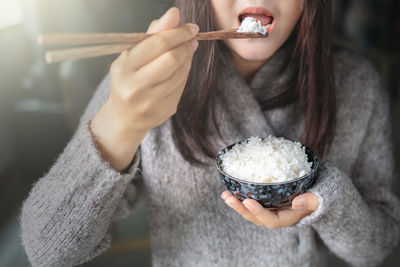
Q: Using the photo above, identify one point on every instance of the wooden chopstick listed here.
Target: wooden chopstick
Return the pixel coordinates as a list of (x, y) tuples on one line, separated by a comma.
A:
[(102, 38), (85, 52), (114, 43)]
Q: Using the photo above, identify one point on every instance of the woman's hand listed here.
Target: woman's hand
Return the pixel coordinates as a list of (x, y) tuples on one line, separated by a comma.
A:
[(147, 83), (253, 212)]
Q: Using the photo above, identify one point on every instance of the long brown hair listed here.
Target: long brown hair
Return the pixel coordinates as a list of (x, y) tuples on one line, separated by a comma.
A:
[(311, 84)]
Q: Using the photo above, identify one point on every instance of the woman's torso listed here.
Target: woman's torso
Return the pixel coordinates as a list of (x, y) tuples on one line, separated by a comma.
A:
[(189, 222)]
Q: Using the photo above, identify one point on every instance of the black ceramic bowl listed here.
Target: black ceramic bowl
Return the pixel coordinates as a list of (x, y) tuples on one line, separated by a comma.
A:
[(270, 195)]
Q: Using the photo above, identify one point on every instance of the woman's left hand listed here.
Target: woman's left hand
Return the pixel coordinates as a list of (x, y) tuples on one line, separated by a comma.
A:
[(253, 212)]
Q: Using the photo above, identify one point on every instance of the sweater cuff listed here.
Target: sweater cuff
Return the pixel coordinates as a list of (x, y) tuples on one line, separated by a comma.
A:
[(327, 187), (127, 201), (72, 206), (97, 159)]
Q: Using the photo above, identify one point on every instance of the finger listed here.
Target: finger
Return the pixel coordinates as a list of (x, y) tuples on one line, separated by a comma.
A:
[(171, 98), (156, 45), (170, 91), (226, 194), (277, 219), (169, 105), (164, 66), (307, 201), (169, 20), (265, 216), (289, 217), (161, 89), (176, 84), (159, 93), (238, 206), (152, 26), (170, 102), (175, 95)]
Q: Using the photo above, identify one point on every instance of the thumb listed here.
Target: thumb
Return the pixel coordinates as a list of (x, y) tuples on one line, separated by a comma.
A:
[(169, 20), (307, 201)]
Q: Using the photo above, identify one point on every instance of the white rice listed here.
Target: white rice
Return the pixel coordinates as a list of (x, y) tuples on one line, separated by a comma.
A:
[(270, 160), (250, 24)]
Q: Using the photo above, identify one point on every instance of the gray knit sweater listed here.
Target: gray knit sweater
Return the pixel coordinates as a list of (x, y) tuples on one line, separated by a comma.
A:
[(66, 218)]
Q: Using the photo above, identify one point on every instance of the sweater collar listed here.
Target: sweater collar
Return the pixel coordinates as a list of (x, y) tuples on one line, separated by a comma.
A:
[(238, 111), (265, 80)]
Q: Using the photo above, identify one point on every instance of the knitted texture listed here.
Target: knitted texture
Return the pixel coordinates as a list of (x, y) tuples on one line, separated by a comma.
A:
[(66, 218)]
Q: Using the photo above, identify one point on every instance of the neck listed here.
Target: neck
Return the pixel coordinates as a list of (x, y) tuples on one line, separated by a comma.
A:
[(246, 68)]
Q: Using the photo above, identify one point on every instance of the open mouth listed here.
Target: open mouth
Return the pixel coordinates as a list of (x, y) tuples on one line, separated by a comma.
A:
[(264, 16)]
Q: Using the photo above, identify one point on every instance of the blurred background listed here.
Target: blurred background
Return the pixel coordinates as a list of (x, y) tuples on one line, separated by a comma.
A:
[(40, 104)]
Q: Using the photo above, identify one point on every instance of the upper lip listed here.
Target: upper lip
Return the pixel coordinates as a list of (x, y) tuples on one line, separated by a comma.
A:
[(256, 10)]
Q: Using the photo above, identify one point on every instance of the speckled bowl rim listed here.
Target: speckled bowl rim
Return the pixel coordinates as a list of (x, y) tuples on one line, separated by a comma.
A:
[(221, 152)]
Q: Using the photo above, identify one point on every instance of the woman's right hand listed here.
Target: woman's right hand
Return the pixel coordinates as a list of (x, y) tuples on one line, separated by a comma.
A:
[(147, 83)]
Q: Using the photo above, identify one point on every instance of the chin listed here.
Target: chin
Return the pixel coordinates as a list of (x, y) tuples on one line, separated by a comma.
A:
[(252, 49)]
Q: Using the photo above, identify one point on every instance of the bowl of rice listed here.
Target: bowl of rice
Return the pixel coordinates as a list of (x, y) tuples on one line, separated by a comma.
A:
[(270, 170)]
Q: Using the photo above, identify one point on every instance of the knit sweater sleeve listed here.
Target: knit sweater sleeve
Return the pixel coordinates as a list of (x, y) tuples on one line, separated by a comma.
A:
[(66, 218), (358, 216)]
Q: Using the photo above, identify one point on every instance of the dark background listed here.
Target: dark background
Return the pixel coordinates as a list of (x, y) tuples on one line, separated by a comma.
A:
[(40, 104)]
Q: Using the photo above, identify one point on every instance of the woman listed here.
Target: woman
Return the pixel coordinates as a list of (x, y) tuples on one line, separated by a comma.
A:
[(290, 84)]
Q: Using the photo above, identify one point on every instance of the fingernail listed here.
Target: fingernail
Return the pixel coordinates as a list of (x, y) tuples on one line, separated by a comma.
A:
[(195, 44), (247, 204), (299, 203), (194, 28), (168, 11), (173, 9), (164, 16), (223, 196)]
